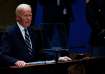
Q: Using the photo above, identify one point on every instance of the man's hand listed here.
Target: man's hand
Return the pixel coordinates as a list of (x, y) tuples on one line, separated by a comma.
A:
[(64, 59), (20, 63)]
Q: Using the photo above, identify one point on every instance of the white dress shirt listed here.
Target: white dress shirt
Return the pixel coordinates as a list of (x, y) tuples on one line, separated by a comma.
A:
[(21, 29)]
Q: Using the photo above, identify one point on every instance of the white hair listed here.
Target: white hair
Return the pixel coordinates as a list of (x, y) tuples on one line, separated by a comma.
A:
[(21, 7)]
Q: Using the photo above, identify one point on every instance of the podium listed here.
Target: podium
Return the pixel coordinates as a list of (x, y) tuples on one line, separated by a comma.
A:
[(45, 68), (88, 64)]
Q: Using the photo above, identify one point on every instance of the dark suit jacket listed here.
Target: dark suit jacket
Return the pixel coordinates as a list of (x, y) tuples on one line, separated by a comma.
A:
[(13, 46)]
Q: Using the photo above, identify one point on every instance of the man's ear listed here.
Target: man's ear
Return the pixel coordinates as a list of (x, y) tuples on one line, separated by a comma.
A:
[(17, 18)]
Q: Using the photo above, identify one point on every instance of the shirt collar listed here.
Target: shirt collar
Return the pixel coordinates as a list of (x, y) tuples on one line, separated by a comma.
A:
[(21, 27)]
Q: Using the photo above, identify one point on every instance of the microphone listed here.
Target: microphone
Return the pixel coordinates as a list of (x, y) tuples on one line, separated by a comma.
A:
[(57, 53)]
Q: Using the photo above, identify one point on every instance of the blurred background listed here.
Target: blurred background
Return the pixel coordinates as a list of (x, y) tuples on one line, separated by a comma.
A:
[(77, 25)]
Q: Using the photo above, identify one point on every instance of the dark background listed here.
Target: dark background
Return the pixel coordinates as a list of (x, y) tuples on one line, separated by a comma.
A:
[(7, 13)]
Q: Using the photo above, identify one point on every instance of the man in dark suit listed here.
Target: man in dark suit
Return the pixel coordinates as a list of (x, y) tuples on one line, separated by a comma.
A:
[(17, 48), (20, 43)]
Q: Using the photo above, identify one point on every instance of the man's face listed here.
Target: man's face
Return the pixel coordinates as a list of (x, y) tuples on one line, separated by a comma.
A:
[(25, 17)]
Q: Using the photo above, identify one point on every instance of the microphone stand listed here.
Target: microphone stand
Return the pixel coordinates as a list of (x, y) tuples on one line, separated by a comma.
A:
[(57, 56), (57, 53)]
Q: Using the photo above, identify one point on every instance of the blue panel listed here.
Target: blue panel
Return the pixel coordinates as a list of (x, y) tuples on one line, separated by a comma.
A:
[(79, 30), (55, 40), (38, 16)]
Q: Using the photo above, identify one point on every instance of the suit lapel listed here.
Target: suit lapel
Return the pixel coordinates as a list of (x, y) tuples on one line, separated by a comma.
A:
[(19, 35)]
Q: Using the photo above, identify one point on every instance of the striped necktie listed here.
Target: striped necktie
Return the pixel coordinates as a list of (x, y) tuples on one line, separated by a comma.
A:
[(28, 41)]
